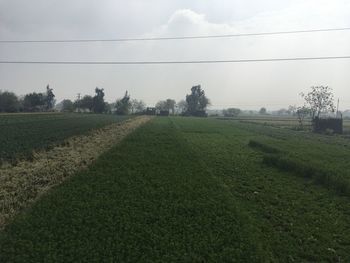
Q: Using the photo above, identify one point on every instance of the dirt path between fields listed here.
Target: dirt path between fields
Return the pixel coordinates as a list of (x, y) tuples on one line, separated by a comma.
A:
[(22, 184)]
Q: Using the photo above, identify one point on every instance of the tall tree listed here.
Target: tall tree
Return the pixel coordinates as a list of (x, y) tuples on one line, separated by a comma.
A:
[(98, 101), (196, 101), (123, 105), (49, 98), (319, 100)]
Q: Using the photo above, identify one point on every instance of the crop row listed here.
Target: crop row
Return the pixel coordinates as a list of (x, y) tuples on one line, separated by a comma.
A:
[(21, 134)]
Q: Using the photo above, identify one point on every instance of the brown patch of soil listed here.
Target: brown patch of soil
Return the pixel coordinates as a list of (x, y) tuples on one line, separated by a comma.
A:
[(22, 184)]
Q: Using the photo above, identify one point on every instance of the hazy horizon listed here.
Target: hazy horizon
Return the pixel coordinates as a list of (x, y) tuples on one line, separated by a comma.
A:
[(273, 85)]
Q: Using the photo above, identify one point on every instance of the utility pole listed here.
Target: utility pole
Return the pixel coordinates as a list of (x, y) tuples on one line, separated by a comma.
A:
[(337, 108)]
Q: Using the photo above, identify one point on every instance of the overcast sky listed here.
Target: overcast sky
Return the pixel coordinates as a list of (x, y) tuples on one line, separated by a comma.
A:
[(251, 85)]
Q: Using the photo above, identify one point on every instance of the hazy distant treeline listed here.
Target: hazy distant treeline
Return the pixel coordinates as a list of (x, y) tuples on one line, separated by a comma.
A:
[(194, 104), (32, 102)]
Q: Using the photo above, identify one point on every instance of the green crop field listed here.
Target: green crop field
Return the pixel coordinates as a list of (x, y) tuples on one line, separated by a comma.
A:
[(196, 190), (20, 134), (290, 122)]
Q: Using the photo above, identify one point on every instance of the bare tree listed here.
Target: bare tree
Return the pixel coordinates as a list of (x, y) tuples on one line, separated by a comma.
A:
[(302, 113), (137, 106), (319, 100), (292, 109)]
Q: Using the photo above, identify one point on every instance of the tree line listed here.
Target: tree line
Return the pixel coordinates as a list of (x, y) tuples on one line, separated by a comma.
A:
[(194, 104), (32, 102), (320, 100)]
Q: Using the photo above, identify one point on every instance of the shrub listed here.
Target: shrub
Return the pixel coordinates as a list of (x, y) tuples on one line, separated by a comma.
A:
[(263, 147)]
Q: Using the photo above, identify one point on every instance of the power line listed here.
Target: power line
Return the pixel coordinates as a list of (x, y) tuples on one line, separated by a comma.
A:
[(173, 62), (177, 38)]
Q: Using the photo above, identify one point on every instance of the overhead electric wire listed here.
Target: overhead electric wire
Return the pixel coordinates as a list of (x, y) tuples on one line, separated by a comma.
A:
[(173, 62), (176, 37)]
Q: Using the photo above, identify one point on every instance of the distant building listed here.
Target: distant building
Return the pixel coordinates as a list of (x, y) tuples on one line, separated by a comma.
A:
[(333, 124)]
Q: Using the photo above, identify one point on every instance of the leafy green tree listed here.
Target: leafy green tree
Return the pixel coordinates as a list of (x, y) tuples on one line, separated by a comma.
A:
[(123, 105), (263, 111), (99, 105), (319, 100), (34, 102), (196, 101), (86, 103), (8, 102), (67, 106)]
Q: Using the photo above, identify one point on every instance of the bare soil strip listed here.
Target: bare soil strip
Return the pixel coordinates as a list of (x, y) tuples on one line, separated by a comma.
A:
[(22, 184)]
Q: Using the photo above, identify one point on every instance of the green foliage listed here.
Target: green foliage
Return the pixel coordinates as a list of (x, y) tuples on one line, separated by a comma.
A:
[(67, 106), (196, 101), (308, 155), (8, 102), (33, 102), (263, 111), (123, 105), (21, 134), (192, 190), (98, 102), (49, 98), (86, 103), (263, 147), (309, 170), (300, 221), (137, 204)]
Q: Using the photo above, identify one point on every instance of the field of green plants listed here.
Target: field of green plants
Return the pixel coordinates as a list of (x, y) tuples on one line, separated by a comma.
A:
[(20, 134), (290, 122), (196, 190)]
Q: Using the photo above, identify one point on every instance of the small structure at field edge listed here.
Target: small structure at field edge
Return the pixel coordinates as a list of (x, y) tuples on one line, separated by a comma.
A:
[(322, 125)]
